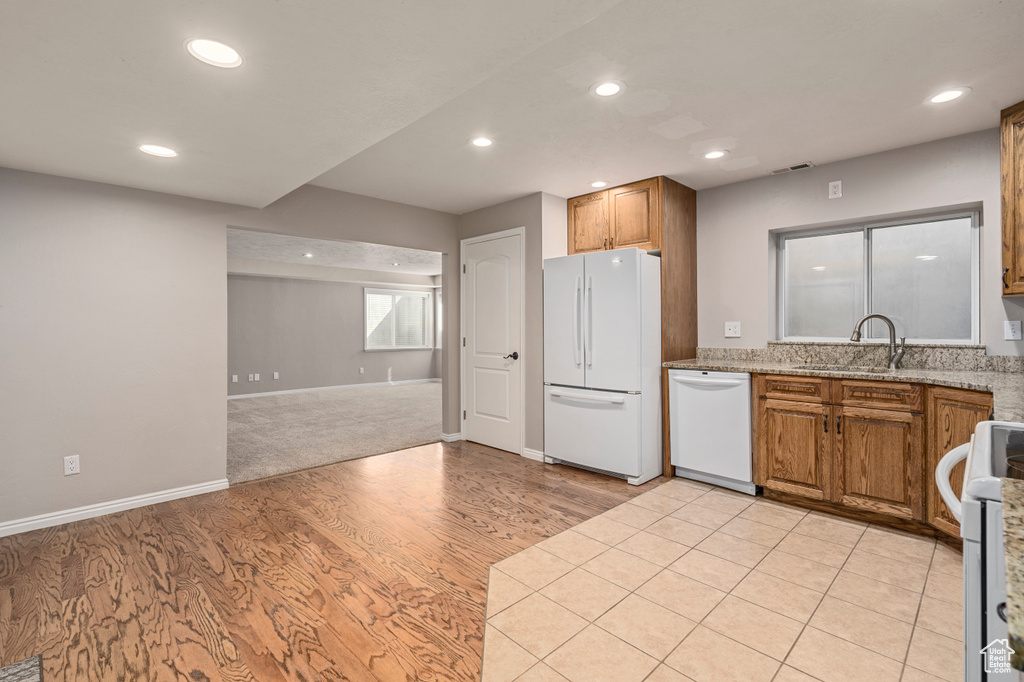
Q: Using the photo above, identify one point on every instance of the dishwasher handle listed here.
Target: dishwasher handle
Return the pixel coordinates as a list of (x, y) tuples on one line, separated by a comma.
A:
[(701, 381)]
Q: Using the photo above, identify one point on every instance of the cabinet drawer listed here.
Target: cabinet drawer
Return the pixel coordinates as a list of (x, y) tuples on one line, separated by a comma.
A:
[(882, 395), (804, 389)]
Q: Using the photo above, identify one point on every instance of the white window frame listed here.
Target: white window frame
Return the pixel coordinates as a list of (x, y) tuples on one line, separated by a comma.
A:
[(866, 229), (428, 332)]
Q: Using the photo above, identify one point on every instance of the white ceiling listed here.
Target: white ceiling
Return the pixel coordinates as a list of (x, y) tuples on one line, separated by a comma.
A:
[(354, 255), (381, 98)]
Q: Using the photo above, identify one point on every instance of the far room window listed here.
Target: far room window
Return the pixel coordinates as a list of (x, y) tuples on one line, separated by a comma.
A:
[(922, 274), (398, 320)]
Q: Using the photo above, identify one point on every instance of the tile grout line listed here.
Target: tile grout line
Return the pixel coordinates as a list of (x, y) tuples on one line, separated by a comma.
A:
[(689, 548), (818, 606)]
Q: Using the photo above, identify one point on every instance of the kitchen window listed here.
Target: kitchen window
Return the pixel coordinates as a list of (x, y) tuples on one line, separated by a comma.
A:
[(922, 274), (398, 319)]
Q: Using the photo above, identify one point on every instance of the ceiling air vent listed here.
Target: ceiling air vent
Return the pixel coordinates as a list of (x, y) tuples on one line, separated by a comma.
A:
[(790, 169)]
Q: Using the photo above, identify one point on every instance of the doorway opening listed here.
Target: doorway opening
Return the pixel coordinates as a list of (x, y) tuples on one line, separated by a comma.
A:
[(334, 351)]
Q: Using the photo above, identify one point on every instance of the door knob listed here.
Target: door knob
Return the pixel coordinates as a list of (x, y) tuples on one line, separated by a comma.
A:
[(513, 356)]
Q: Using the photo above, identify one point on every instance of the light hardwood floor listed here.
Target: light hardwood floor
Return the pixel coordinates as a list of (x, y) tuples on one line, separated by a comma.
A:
[(373, 569)]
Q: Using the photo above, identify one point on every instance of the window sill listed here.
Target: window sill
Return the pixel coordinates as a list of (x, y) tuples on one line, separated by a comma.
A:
[(862, 342)]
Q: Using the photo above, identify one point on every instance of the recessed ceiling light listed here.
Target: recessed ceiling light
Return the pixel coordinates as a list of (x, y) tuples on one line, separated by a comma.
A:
[(925, 257), (948, 95), (607, 88), (599, 183), (482, 141), (308, 255), (716, 154), (157, 150), (214, 53), (819, 268), (395, 264)]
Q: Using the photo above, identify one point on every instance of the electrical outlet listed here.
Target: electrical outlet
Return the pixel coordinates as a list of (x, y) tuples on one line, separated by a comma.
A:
[(251, 377), (1011, 330), (277, 375), (257, 377), (71, 465), (732, 330), (234, 378), (362, 370), (835, 189)]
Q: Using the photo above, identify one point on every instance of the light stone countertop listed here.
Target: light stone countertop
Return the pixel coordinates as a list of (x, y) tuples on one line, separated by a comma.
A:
[(1007, 388), (1013, 535)]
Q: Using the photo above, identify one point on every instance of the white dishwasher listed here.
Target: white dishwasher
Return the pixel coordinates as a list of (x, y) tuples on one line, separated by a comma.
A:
[(709, 415)]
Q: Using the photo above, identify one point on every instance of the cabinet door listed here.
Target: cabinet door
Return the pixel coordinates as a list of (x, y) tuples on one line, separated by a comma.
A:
[(879, 461), (588, 223), (1012, 146), (635, 215), (952, 415), (793, 447)]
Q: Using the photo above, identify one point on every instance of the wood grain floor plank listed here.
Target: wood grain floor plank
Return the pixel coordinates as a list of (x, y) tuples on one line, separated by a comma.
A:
[(370, 570)]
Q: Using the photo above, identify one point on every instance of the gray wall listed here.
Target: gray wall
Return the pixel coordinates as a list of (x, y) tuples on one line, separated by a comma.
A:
[(311, 333), (736, 268), (112, 342), (525, 212), (113, 329)]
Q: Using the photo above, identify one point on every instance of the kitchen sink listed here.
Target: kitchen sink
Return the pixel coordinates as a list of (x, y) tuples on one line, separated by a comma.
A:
[(846, 368)]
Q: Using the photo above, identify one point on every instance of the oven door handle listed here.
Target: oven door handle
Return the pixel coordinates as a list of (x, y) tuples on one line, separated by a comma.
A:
[(946, 464)]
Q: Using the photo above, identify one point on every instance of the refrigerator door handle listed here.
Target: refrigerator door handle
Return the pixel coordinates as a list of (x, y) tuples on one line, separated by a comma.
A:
[(576, 319), (588, 313), (697, 381), (613, 400)]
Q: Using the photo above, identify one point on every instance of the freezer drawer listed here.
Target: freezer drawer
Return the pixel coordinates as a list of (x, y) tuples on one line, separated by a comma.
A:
[(597, 429)]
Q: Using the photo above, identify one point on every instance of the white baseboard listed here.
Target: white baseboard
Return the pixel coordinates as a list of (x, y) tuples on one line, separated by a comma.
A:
[(451, 437), (334, 388), (101, 508), (533, 454)]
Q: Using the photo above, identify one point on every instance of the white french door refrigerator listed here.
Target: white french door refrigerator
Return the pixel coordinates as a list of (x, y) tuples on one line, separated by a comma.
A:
[(602, 362)]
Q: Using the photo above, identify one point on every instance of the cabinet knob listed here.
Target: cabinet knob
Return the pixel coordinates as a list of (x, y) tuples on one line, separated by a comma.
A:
[(824, 420)]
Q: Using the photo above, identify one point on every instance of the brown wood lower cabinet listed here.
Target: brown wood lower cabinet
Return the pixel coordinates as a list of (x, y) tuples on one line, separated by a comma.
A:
[(952, 415), (865, 447), (878, 460), (795, 448)]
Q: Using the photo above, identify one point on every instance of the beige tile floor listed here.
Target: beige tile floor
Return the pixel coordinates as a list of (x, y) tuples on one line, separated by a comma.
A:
[(691, 582)]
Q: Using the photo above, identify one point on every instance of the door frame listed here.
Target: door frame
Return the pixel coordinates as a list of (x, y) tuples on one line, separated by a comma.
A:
[(521, 233)]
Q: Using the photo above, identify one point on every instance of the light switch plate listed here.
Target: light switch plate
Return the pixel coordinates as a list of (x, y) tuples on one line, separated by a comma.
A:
[(277, 375), (234, 378), (835, 189), (732, 330), (1011, 330), (257, 377)]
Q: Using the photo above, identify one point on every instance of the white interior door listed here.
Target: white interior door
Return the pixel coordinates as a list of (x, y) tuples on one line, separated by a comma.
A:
[(492, 324)]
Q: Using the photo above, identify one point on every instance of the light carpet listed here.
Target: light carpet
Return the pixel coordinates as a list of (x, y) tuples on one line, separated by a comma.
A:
[(278, 434)]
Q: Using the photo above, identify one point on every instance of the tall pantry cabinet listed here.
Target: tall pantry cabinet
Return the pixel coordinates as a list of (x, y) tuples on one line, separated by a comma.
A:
[(660, 215)]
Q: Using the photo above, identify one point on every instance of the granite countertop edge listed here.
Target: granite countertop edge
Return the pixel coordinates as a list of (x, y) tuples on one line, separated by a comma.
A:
[(1007, 388)]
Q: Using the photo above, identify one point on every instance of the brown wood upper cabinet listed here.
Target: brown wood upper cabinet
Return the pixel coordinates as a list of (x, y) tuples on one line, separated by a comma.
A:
[(619, 218), (588, 223), (1012, 155)]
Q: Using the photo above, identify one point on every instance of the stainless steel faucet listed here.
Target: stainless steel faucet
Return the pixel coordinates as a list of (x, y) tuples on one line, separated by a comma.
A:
[(895, 354)]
